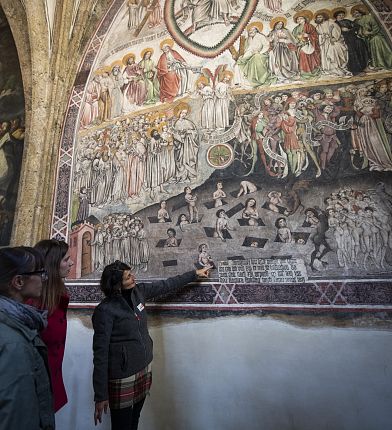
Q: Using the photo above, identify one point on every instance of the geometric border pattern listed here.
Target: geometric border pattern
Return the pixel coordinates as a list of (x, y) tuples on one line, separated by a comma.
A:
[(350, 295), (200, 50)]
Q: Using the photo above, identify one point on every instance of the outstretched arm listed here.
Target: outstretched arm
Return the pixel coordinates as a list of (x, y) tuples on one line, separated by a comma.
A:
[(173, 284)]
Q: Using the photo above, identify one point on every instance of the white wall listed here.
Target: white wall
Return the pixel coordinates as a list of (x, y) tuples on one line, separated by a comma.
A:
[(247, 373)]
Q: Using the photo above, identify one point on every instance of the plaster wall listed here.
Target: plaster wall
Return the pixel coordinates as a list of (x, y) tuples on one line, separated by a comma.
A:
[(247, 372)]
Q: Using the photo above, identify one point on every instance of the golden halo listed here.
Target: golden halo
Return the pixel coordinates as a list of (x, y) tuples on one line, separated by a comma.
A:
[(161, 125), (169, 42), (180, 107), (99, 71), (116, 63), (143, 53), (307, 14), (127, 57), (154, 116), (359, 8), (278, 19), (259, 25), (338, 10), (106, 69), (323, 12)]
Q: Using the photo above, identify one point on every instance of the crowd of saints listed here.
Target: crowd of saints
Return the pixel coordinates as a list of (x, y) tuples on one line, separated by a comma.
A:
[(306, 101)]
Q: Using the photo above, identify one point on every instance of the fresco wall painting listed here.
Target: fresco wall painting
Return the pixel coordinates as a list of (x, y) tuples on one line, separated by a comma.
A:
[(229, 130), (11, 129)]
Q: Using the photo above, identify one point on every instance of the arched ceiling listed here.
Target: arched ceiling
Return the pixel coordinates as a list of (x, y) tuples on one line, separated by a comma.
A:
[(50, 38)]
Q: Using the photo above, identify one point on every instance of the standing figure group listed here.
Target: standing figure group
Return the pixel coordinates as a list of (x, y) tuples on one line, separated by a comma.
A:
[(324, 42)]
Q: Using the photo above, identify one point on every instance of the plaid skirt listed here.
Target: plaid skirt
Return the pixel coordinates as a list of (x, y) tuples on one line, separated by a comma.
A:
[(125, 392)]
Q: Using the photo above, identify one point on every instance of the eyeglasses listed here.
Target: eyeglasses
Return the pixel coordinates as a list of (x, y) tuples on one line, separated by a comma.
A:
[(43, 273)]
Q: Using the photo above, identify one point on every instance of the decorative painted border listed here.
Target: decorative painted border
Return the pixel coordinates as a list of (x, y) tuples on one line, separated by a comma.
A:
[(314, 296), (349, 296), (200, 50)]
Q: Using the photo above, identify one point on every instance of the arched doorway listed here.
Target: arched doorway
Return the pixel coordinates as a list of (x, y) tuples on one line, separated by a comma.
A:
[(86, 254)]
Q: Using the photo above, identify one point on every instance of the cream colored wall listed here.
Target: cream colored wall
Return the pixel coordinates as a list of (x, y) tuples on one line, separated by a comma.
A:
[(249, 373)]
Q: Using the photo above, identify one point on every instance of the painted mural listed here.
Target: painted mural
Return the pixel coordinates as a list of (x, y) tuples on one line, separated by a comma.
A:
[(11, 129), (225, 129)]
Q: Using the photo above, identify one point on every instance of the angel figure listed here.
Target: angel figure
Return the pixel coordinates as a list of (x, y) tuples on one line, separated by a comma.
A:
[(206, 93), (217, 85)]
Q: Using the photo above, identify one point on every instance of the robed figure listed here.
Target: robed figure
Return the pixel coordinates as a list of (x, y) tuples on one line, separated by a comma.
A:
[(308, 45), (172, 72)]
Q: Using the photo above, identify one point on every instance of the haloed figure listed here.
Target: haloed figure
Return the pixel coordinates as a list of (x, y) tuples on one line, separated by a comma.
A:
[(122, 345)]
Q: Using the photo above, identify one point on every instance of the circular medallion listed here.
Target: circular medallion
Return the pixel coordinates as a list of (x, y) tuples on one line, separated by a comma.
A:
[(220, 155)]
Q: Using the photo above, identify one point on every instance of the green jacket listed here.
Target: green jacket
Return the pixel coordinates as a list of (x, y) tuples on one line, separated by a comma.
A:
[(25, 393)]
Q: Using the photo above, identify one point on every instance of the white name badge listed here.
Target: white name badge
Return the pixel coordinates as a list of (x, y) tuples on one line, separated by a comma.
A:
[(140, 307)]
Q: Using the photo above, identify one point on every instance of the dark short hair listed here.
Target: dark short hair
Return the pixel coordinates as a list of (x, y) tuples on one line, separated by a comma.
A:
[(248, 200), (323, 106), (172, 230), (277, 221), (312, 210), (111, 278), (339, 12), (15, 261)]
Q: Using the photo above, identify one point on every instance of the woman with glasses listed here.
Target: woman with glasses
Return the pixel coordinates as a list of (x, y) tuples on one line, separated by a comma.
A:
[(122, 345), (25, 394), (55, 300)]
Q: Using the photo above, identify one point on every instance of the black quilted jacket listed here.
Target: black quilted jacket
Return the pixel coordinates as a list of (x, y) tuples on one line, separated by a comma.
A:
[(122, 345)]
